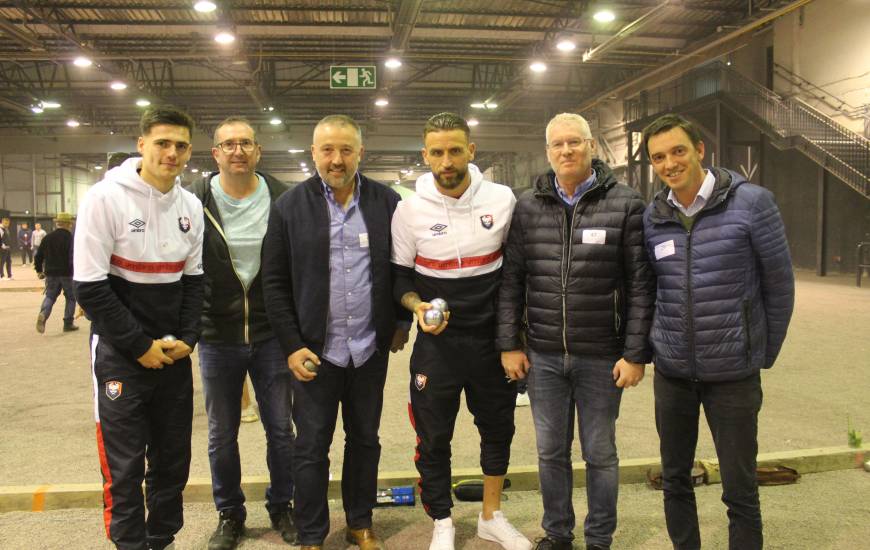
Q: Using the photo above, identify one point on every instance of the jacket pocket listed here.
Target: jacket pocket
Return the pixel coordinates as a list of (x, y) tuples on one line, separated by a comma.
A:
[(746, 314)]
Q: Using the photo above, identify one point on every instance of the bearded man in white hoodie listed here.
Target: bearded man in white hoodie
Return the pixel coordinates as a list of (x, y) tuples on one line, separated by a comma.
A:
[(138, 274), (447, 243)]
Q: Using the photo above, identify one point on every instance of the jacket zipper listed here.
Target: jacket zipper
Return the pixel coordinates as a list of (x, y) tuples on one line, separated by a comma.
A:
[(233, 266), (617, 321), (566, 263), (691, 319)]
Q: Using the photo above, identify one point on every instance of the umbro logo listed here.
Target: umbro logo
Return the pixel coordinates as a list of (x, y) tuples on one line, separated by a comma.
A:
[(138, 226), (438, 229)]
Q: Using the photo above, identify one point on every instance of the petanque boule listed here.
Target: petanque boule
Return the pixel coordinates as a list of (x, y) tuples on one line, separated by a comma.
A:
[(440, 304), (433, 317), (309, 365), (169, 338)]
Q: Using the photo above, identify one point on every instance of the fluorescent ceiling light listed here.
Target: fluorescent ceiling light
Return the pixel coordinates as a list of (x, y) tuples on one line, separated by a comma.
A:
[(604, 16), (538, 66), (73, 123), (224, 37), (98, 167), (492, 106), (204, 6), (393, 63), (478, 105), (295, 150), (473, 122), (302, 164), (142, 103), (195, 170), (117, 85), (82, 61), (50, 104), (566, 45), (36, 109), (275, 121), (382, 102)]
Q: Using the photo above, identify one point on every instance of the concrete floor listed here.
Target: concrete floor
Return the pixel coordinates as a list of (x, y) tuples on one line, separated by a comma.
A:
[(47, 437)]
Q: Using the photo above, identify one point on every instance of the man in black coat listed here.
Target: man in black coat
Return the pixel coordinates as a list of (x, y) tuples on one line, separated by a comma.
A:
[(53, 263), (328, 286), (577, 281)]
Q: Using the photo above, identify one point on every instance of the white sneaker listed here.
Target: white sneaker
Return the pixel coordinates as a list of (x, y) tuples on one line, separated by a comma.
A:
[(523, 399), (443, 535), (499, 530)]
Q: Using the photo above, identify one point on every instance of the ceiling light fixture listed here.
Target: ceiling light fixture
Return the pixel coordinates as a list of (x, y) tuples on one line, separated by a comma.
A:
[(224, 37), (295, 150), (49, 104), (604, 16), (98, 167), (478, 105), (302, 164), (382, 102), (275, 121), (117, 85), (195, 170), (82, 61), (473, 122), (73, 123), (566, 45), (392, 63), (491, 106), (538, 66), (204, 6), (36, 109), (142, 103)]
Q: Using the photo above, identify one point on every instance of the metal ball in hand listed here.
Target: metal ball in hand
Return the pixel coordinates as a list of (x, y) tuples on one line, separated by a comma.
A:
[(433, 317), (309, 365), (169, 338), (440, 304)]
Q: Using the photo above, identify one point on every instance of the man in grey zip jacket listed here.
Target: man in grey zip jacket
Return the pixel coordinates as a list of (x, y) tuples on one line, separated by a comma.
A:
[(237, 339), (724, 300), (576, 280)]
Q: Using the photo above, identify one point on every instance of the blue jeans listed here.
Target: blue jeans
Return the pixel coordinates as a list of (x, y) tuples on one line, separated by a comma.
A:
[(559, 384), (360, 392), (731, 409), (53, 286), (223, 369)]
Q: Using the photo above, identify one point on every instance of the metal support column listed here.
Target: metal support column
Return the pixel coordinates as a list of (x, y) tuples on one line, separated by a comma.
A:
[(821, 224), (33, 185)]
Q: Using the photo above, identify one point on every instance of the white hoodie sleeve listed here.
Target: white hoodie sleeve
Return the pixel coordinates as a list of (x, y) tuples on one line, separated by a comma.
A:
[(94, 238), (404, 244), (193, 263)]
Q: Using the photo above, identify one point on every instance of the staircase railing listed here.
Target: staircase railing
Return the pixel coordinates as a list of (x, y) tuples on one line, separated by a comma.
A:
[(838, 149)]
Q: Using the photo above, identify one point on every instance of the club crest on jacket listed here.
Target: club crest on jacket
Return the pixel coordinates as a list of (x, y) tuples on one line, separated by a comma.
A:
[(184, 224), (420, 381), (114, 389), (486, 221)]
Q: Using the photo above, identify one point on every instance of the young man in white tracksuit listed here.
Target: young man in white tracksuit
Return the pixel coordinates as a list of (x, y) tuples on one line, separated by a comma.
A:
[(138, 274), (447, 243)]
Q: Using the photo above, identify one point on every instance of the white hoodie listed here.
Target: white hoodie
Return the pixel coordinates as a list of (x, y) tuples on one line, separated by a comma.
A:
[(447, 238), (127, 228)]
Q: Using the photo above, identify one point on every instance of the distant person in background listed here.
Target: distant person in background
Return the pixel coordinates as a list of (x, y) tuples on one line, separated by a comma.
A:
[(117, 159), (53, 263), (5, 248), (38, 235), (24, 243)]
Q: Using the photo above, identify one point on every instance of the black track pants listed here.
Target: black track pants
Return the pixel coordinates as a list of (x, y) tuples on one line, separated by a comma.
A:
[(441, 368), (142, 415)]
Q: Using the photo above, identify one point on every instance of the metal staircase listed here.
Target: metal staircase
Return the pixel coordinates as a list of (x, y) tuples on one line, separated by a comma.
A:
[(790, 123)]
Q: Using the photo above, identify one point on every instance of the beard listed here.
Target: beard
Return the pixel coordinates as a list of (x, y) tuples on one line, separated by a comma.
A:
[(453, 181)]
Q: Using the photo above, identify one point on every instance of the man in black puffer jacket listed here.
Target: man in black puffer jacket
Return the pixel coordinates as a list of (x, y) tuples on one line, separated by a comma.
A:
[(577, 281), (725, 298)]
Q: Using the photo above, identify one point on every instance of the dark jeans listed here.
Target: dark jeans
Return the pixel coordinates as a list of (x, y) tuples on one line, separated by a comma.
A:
[(53, 286), (731, 409), (223, 369), (360, 391), (559, 385), (6, 261), (26, 255)]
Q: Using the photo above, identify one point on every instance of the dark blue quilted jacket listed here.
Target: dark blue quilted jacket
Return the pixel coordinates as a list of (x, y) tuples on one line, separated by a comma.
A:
[(725, 291)]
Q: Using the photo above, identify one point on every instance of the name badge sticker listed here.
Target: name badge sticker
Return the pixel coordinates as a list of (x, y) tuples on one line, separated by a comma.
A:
[(363, 240), (594, 236), (665, 249)]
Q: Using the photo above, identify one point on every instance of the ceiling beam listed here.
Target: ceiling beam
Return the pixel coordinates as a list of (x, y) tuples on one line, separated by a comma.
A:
[(404, 23), (10, 30)]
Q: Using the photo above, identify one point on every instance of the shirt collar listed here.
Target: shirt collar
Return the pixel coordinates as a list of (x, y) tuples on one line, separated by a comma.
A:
[(330, 194), (579, 190), (701, 198)]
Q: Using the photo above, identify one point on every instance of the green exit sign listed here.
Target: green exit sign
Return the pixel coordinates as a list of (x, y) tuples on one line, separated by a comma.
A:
[(360, 77)]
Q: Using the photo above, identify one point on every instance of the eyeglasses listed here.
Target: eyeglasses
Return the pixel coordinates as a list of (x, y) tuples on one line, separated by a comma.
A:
[(571, 143), (229, 146)]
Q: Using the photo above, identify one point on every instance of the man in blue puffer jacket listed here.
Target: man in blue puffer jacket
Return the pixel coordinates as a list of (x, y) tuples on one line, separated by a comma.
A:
[(725, 295)]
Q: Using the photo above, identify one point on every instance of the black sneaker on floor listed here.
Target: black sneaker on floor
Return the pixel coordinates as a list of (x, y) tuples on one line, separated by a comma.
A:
[(40, 323), (227, 534), (69, 327), (547, 543), (283, 523)]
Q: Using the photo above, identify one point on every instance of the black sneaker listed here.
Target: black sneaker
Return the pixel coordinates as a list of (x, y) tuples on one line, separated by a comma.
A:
[(547, 543), (69, 327), (40, 323), (227, 534), (283, 523)]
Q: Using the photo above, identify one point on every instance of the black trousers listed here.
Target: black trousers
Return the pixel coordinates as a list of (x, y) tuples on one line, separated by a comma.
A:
[(732, 410), (360, 391), (6, 262), (441, 368), (143, 432)]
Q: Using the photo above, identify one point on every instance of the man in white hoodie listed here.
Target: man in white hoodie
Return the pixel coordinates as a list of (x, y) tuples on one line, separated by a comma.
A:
[(447, 243), (138, 274)]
